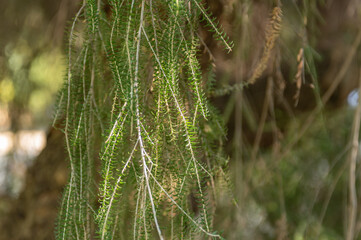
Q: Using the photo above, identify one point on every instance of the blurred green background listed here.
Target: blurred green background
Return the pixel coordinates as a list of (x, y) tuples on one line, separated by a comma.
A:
[(32, 66), (279, 188)]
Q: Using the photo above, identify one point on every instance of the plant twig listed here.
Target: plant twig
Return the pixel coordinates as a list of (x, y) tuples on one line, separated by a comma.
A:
[(352, 208)]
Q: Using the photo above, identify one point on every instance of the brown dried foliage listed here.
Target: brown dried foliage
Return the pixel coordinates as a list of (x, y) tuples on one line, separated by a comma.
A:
[(299, 78), (272, 32)]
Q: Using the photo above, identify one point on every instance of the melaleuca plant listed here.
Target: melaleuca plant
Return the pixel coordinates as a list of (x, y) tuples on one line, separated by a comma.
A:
[(141, 137)]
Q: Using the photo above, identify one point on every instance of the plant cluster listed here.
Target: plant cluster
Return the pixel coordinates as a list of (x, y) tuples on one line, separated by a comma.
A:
[(135, 101)]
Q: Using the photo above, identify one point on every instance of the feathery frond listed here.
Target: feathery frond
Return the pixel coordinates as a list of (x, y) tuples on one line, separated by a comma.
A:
[(135, 97)]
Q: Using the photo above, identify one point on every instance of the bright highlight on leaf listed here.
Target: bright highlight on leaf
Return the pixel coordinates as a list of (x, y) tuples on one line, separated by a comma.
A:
[(7, 91)]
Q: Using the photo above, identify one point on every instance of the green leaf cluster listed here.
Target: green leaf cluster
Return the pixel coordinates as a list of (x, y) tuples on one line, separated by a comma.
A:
[(142, 140)]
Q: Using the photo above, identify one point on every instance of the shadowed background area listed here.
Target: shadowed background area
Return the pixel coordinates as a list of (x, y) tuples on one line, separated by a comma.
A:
[(32, 65)]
